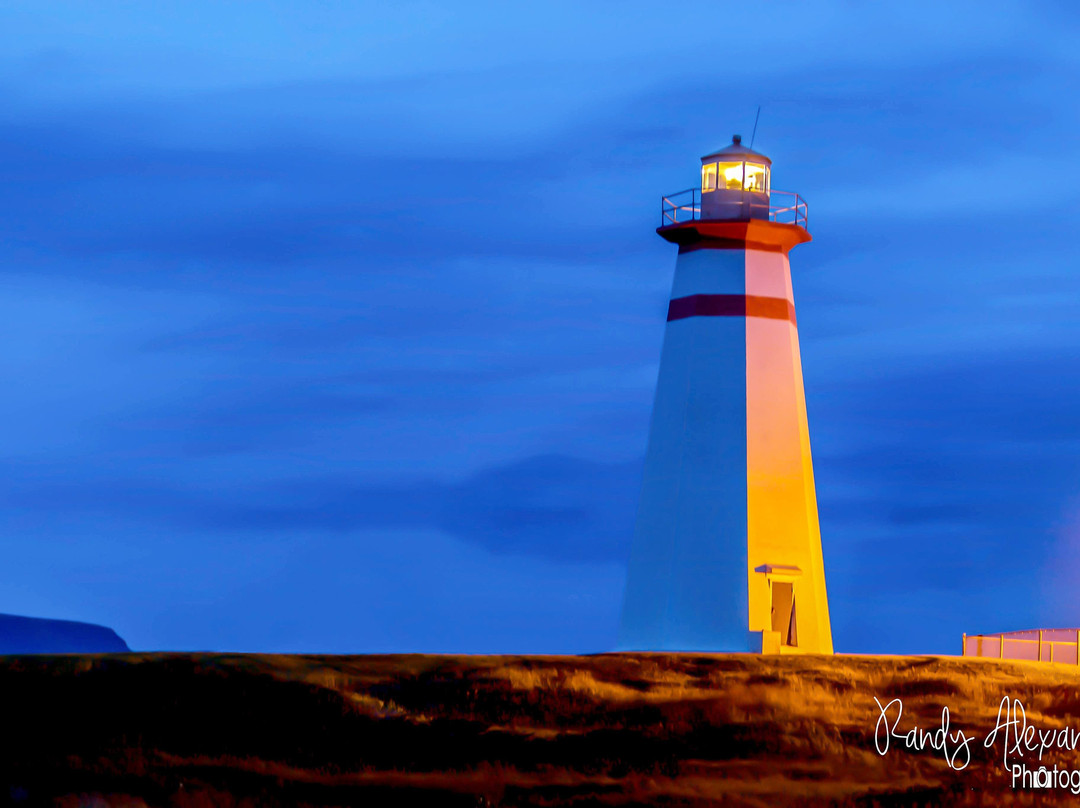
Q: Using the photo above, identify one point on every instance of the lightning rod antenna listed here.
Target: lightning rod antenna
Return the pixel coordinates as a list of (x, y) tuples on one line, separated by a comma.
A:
[(755, 126)]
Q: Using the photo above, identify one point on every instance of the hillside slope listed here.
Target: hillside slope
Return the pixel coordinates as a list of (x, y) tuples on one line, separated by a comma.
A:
[(618, 729)]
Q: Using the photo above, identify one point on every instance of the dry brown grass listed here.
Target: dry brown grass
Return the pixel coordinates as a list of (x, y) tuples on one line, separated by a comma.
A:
[(189, 730)]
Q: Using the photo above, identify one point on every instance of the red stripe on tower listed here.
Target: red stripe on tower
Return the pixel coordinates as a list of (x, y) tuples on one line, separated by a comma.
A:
[(773, 308)]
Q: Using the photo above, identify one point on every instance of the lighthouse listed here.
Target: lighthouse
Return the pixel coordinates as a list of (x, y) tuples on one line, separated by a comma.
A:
[(726, 554)]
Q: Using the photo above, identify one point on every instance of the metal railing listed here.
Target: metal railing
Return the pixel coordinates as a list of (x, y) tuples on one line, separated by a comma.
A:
[(677, 208), (794, 212), (1035, 645), (685, 206)]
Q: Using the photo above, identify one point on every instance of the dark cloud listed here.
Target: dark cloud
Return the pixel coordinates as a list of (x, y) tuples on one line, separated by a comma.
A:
[(276, 187), (958, 495), (557, 508)]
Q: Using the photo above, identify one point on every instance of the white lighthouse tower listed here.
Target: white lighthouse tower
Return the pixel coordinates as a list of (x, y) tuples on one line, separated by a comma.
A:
[(727, 551)]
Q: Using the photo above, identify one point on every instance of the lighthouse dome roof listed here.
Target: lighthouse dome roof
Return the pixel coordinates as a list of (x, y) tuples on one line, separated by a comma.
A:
[(736, 152)]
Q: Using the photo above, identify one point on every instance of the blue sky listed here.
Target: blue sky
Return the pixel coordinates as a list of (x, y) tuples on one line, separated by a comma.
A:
[(334, 327)]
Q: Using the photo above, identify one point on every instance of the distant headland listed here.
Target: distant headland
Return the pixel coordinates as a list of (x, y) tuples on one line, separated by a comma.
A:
[(36, 635)]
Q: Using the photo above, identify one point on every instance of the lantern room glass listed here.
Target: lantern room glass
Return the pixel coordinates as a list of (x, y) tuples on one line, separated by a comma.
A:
[(757, 178), (739, 176), (708, 177)]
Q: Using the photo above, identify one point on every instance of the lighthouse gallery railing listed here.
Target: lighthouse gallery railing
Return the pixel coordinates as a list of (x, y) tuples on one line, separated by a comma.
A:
[(685, 206)]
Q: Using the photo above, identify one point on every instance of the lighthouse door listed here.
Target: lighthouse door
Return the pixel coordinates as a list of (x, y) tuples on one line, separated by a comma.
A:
[(783, 612)]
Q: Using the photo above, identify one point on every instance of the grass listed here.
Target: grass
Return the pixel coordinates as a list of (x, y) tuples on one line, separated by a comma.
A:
[(189, 730)]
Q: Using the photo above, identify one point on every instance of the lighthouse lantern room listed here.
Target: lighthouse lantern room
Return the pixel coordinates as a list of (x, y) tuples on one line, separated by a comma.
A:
[(735, 183)]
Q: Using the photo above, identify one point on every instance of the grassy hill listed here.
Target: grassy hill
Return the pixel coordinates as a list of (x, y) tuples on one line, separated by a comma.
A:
[(617, 729)]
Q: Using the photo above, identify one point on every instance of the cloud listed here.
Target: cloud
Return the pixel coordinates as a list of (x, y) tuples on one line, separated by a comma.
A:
[(135, 178), (952, 504), (557, 508)]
